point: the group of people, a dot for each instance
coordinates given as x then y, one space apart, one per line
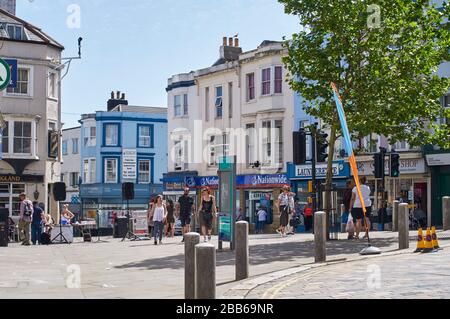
161 215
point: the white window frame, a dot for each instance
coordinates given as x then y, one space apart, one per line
111 138
218 104
89 176
89 140
115 180
272 80
182 107
75 141
247 87
149 180
34 141
263 82
269 141
66 143
23 34
30 92
144 137
74 182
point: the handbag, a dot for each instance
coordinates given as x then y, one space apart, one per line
350 228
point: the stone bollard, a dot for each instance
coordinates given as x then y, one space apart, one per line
446 212
242 251
320 236
190 241
395 215
403 226
205 271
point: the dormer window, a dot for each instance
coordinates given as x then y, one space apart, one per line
16 32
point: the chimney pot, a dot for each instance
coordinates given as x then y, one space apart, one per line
118 95
230 42
123 96
224 41
236 42
112 95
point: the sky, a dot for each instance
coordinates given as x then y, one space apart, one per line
134 46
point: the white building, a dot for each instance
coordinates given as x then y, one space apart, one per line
31 110
240 106
70 171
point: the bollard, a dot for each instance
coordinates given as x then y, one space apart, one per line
190 241
205 271
320 236
446 212
395 215
403 226
242 252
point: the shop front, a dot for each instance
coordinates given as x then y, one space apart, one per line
439 163
300 176
412 187
174 184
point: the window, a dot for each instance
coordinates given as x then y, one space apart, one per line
145 134
272 143
90 136
266 81
219 102
64 148
218 147
230 100
5 138
93 171
401 146
177 105
144 172
251 143
446 101
185 104
212 160
22 137
74 179
111 134
250 87
180 154
86 171
111 170
74 146
278 80
52 85
16 32
89 171
278 142
23 82
207 104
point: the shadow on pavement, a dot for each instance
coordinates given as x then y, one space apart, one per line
274 252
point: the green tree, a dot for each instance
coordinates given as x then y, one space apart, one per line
383 56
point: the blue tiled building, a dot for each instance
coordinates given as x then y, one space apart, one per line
124 144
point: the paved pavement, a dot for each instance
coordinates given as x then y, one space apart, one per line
113 269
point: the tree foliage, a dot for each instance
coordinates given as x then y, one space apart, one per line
384 66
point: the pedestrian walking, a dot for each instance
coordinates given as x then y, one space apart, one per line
170 220
184 211
159 215
356 206
207 212
36 224
283 203
150 221
347 199
261 220
25 219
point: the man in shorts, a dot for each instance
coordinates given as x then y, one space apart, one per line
184 211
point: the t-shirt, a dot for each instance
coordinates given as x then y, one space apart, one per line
37 219
365 190
159 214
186 203
262 215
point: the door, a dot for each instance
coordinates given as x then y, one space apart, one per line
443 190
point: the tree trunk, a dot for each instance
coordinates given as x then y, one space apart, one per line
329 179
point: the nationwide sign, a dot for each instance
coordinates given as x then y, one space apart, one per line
276 180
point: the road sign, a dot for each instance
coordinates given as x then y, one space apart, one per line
5 74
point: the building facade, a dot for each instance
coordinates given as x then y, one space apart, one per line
239 106
125 144
70 171
31 113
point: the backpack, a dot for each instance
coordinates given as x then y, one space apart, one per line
45 239
28 210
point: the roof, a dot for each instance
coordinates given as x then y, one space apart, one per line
33 33
140 109
71 128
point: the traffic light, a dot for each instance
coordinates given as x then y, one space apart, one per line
299 147
322 147
394 165
378 165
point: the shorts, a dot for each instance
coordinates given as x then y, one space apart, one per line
357 213
185 220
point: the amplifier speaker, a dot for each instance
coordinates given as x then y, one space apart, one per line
59 192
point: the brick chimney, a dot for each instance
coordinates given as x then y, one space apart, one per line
8 5
231 51
116 99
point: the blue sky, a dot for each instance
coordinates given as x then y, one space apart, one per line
134 45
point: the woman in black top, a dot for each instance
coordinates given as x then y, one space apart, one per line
208 211
170 222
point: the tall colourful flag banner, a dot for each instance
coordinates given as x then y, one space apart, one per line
348 143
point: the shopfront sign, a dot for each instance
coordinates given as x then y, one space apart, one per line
21 178
262 181
304 172
207 181
260 195
438 159
129 160
407 166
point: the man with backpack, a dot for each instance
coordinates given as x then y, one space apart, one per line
26 217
